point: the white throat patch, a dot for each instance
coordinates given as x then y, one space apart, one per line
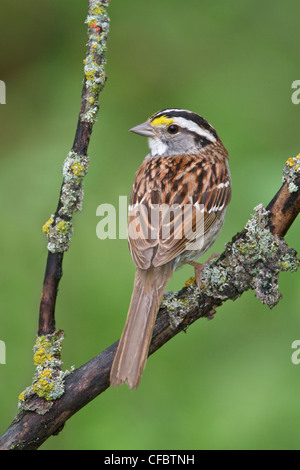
157 147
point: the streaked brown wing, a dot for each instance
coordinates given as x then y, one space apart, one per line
170 197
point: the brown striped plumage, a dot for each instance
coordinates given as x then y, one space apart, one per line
195 182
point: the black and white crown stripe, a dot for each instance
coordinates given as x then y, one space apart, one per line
190 121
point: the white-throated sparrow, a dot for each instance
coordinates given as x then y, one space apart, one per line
177 208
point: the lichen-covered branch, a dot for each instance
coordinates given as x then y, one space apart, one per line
285 206
252 260
49 377
59 227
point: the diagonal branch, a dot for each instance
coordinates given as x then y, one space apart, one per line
252 260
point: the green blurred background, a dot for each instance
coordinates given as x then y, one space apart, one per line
228 383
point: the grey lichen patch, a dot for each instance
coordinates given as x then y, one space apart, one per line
48 380
95 77
291 172
177 306
253 260
59 227
74 169
59 234
174 307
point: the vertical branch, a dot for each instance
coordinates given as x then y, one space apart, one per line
52 277
59 227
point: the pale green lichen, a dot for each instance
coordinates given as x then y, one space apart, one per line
75 167
59 235
177 306
59 228
95 77
293 187
291 172
48 380
254 261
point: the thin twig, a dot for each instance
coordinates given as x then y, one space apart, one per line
59 227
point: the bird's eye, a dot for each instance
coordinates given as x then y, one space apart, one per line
173 129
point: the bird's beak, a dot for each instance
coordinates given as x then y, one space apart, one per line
144 129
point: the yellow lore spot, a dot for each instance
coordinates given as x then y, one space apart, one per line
162 120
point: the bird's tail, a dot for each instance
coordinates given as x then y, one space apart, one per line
132 352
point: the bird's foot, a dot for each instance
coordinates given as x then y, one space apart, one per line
199 268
